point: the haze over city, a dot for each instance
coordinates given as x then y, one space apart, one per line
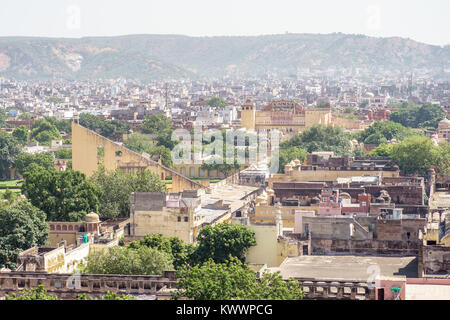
423 21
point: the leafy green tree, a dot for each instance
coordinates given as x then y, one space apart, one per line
216 102
32 294
63 154
182 254
9 196
415 155
110 129
382 131
27 163
116 187
124 260
141 143
44 132
427 115
109 296
60 124
234 280
157 124
21 134
63 195
222 241
289 154
383 150
9 151
321 138
22 226
3 118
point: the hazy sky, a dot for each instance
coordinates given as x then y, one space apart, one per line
422 20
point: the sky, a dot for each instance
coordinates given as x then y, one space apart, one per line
421 20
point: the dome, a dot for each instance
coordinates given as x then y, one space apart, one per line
92 217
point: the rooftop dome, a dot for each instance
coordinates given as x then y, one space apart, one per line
92 217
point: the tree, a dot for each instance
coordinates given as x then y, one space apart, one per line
62 125
108 296
182 254
116 187
233 280
27 163
141 143
222 241
63 154
427 115
63 195
415 154
9 151
44 132
216 102
32 294
157 124
383 150
382 131
289 154
321 138
22 226
110 129
124 260
21 134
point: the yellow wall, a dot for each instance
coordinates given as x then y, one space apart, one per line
85 158
265 251
267 214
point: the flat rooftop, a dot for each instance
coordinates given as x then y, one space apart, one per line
346 267
230 194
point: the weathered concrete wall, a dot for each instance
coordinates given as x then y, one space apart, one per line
435 260
364 247
398 230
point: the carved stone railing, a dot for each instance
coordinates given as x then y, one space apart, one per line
337 289
68 286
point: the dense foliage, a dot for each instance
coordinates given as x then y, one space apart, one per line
124 260
28 163
220 241
321 138
289 154
142 143
32 294
21 133
63 154
115 188
9 151
22 226
234 280
63 195
427 115
113 129
216 102
44 132
381 132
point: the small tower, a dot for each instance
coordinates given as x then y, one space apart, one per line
248 115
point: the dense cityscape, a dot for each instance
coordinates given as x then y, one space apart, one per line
289 183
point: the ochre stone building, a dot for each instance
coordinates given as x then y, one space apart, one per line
90 149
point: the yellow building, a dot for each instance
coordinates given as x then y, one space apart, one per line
443 130
287 116
265 211
90 149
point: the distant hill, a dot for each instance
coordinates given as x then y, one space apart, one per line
173 56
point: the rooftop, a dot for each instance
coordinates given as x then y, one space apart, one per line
347 267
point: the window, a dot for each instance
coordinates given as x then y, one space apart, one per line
118 153
179 219
186 219
408 235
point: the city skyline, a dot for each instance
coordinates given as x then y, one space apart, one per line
419 21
